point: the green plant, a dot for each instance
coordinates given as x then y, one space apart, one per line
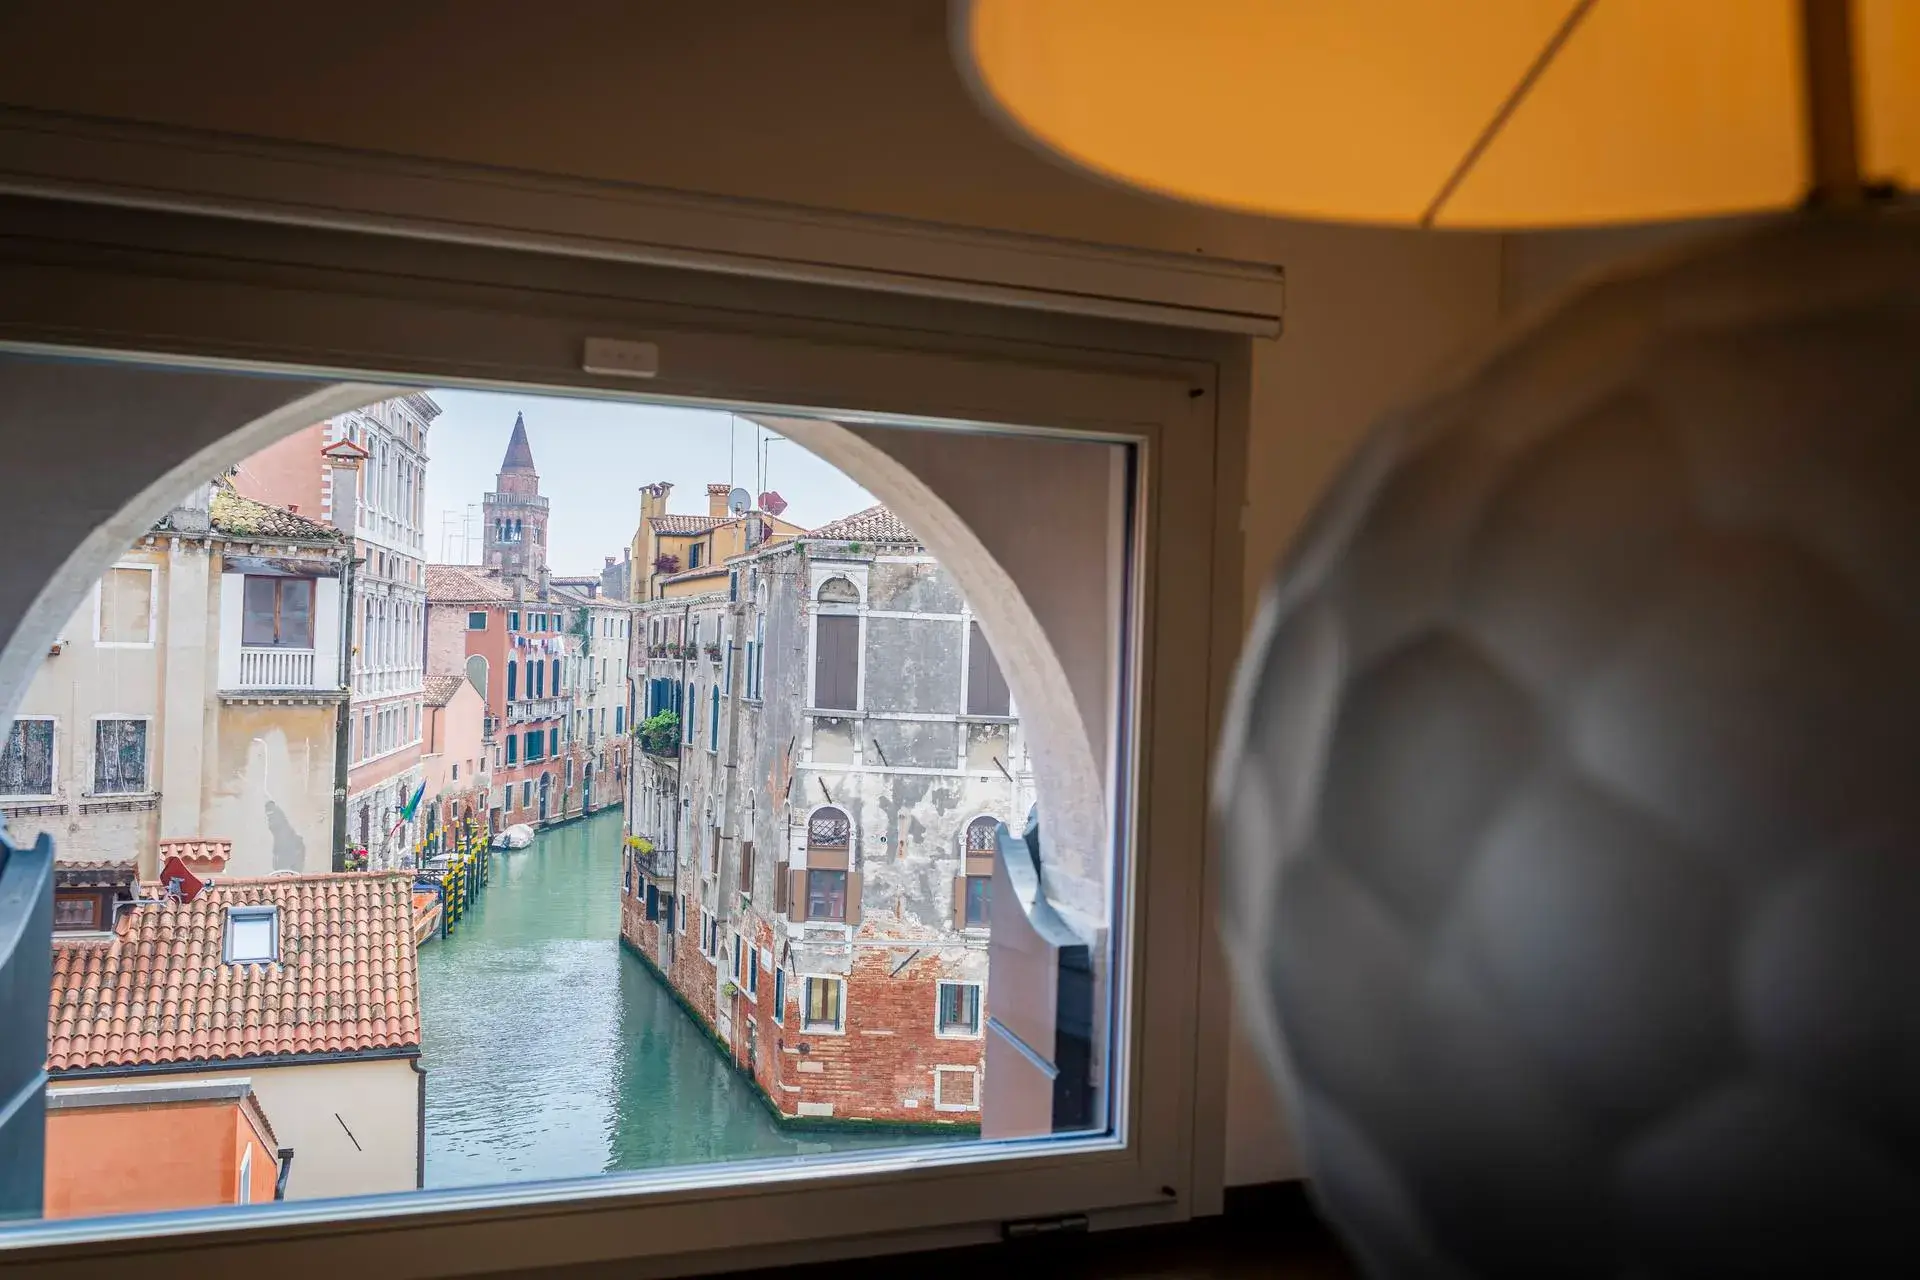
659 734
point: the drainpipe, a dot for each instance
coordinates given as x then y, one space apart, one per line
286 1170
343 722
420 1124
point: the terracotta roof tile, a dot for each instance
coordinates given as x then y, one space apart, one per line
241 517
685 524
202 856
158 990
464 584
875 524
95 875
440 689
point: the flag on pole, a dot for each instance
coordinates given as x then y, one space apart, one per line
413 803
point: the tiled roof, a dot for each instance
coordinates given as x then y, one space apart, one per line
200 855
158 991
95 875
685 524
440 689
875 524
240 517
463 584
688 575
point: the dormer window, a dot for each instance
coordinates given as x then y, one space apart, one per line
253 935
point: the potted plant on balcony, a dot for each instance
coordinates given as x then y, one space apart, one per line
659 734
666 565
713 653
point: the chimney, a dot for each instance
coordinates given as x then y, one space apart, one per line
653 499
193 513
717 499
609 562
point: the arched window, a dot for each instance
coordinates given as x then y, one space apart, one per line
536 679
829 888
973 887
556 677
836 646
513 681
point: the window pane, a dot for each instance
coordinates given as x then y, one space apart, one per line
826 895
829 825
979 901
296 613
26 766
260 599
119 756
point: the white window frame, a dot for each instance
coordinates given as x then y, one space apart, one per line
93 763
979 1031
819 573
1181 395
814 1029
153 608
53 763
779 996
243 1194
946 1069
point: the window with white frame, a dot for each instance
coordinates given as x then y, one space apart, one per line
824 1006
125 615
958 1009
253 935
26 763
780 996
836 646
277 613
119 756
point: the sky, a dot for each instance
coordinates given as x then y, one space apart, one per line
593 456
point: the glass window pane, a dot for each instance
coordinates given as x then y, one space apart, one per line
26 766
119 757
259 616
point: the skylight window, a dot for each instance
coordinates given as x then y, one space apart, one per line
253 935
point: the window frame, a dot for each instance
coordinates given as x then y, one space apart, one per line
941 1029
251 911
477 613
1009 369
153 607
807 1025
53 759
279 583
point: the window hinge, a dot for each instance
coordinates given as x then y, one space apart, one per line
1031 1228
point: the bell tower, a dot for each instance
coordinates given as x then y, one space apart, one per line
515 514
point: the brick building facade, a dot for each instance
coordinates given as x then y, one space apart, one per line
809 855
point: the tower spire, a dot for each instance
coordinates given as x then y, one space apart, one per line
519 452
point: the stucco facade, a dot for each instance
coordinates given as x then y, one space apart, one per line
354 1125
808 839
165 723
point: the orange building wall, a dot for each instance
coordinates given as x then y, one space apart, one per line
144 1159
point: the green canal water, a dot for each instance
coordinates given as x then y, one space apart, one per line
551 1052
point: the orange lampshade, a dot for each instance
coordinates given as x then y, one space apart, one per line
1463 113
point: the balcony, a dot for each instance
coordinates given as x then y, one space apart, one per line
265 668
529 710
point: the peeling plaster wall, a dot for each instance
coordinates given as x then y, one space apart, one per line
909 770
270 787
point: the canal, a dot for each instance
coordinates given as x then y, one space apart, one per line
551 1052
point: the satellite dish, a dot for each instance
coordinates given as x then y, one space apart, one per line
772 503
738 502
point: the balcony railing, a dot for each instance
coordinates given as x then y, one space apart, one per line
265 668
536 709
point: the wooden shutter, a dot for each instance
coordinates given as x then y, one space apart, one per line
836 661
780 896
853 897
959 902
797 896
986 686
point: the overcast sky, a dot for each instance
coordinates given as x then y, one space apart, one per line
593 457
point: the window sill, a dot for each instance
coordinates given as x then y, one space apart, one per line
959 1035
821 1029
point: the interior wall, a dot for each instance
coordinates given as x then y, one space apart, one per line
844 104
